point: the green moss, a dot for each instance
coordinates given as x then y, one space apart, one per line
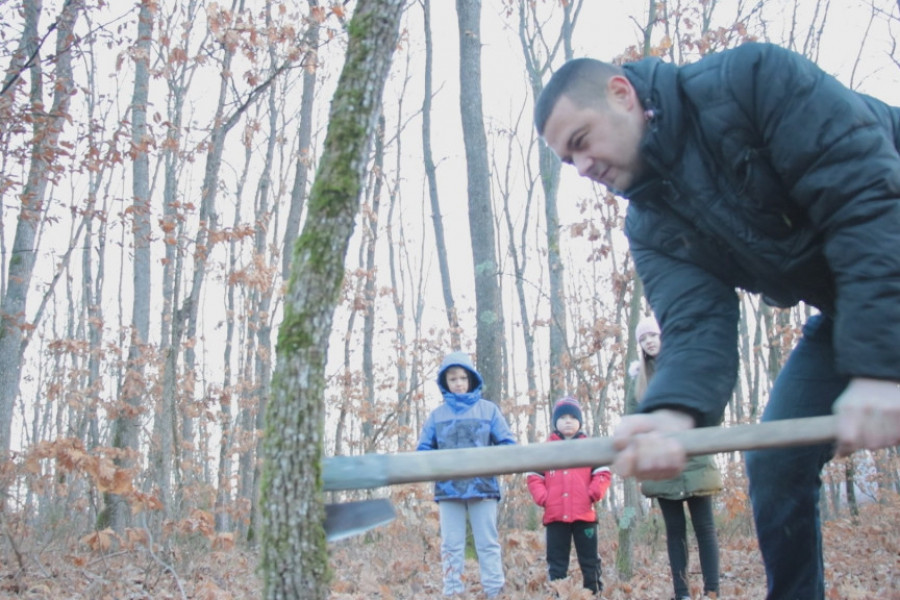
294 333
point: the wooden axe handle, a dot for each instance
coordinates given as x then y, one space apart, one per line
376 470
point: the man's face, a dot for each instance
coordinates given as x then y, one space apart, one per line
601 141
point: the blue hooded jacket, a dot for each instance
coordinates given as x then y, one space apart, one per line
464 421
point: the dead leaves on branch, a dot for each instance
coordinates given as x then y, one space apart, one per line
71 456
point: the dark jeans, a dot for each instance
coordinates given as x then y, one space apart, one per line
701 508
559 538
784 483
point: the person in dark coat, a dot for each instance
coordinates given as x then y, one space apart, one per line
567 497
466 420
754 169
693 488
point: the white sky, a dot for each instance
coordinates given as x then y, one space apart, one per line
605 28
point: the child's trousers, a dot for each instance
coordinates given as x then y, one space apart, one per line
701 508
482 515
559 542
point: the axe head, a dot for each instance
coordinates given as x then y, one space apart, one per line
347 519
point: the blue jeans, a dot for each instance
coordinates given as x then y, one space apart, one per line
785 483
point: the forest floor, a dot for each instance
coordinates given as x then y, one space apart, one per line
401 561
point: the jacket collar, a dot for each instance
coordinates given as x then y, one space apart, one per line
657 86
558 437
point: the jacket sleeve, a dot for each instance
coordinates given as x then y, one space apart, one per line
537 486
427 440
698 313
835 152
500 432
600 480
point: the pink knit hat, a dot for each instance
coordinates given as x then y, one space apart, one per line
646 325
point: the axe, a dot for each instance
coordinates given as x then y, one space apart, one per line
377 470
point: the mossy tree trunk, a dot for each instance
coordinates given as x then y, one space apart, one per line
294 554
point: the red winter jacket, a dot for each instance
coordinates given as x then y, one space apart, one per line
568 495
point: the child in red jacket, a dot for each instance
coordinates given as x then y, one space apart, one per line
568 496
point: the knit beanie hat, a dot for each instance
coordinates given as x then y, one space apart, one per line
567 406
646 325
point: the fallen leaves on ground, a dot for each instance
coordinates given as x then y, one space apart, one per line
401 561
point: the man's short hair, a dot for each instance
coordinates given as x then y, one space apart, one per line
581 80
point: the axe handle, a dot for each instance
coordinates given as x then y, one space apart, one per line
376 470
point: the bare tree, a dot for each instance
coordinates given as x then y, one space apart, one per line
488 311
431 175
178 75
304 150
541 52
127 422
46 128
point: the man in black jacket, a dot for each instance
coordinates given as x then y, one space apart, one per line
750 169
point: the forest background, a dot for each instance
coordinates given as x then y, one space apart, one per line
156 163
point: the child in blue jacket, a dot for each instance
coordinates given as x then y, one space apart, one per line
466 420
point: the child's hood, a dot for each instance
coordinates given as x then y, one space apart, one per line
461 401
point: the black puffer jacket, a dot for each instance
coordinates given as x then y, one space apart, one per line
766 174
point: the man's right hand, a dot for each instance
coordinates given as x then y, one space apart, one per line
868 415
645 451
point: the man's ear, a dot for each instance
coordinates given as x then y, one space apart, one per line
619 91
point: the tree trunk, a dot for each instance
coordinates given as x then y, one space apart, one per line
431 175
165 420
519 264
262 298
126 426
537 64
370 239
304 158
488 312
404 390
850 486
628 520
294 556
46 128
